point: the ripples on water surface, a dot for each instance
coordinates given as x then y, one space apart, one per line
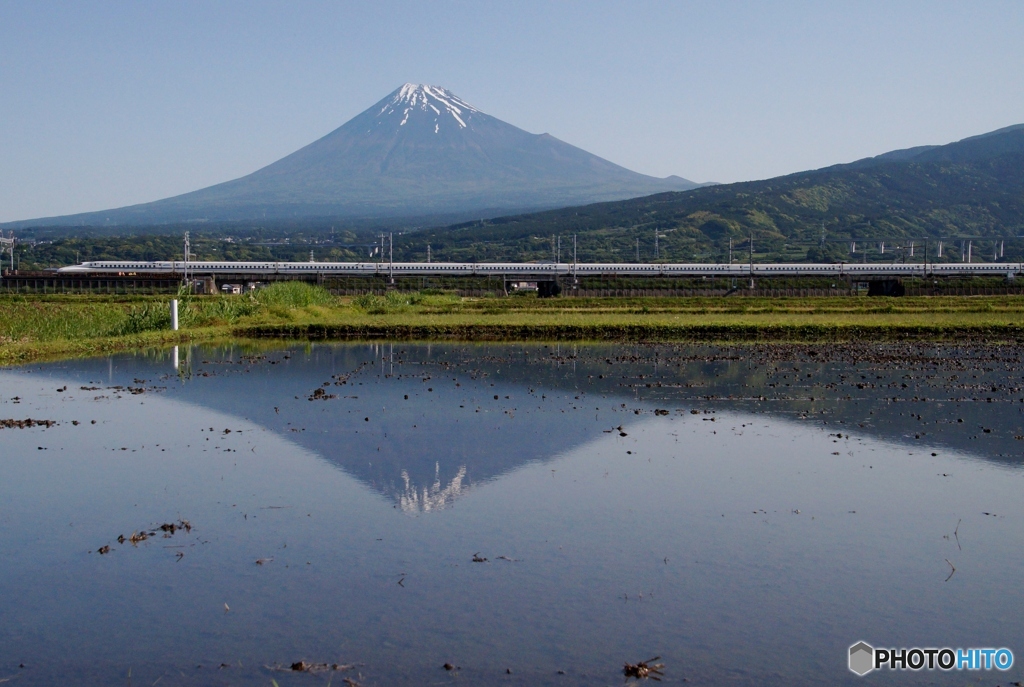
631 502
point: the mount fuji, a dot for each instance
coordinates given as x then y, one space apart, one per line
420 151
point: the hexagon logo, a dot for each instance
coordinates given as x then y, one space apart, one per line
862 658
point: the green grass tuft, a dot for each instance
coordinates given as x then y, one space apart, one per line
294 294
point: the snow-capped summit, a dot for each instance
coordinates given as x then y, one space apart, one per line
422 150
435 102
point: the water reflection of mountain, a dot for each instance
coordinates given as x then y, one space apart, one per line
422 451
422 424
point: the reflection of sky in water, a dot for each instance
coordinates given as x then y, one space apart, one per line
680 539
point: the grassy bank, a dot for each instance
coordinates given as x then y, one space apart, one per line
55 326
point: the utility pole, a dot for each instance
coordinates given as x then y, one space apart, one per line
969 250
428 252
940 249
638 249
751 266
575 281
730 251
391 257
184 267
558 250
10 246
657 251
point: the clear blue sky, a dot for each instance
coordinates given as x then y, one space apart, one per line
104 104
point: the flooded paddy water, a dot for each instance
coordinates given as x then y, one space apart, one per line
415 514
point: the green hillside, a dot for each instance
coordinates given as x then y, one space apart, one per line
972 189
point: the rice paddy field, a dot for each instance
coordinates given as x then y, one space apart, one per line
41 327
421 488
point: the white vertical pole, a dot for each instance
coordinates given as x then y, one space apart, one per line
174 358
174 315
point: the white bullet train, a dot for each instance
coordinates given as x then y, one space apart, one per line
255 270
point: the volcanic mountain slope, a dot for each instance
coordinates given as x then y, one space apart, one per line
422 150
